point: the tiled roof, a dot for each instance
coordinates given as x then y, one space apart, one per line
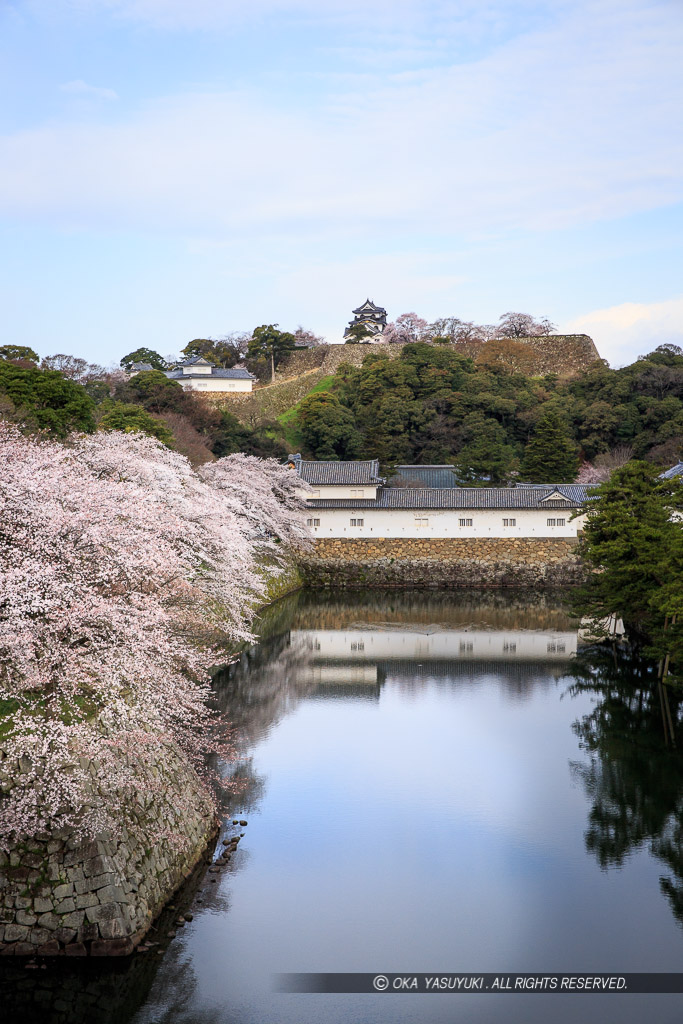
676 470
339 472
215 372
141 367
196 361
425 476
459 497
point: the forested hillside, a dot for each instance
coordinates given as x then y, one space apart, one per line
432 405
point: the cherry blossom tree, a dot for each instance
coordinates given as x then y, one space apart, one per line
406 328
123 576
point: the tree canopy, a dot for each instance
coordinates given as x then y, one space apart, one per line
144 355
46 400
269 342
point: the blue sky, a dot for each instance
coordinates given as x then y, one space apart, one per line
171 169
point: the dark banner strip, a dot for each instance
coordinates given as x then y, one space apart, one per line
480 983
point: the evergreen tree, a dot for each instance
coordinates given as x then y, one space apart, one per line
45 400
328 429
268 342
634 541
551 456
133 419
144 355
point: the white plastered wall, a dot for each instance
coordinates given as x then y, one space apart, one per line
444 523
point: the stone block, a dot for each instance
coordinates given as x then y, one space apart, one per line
16 932
88 899
50 948
103 912
96 866
112 929
61 891
76 949
41 905
112 894
65 935
37 936
65 906
88 932
49 921
25 917
111 947
74 919
23 902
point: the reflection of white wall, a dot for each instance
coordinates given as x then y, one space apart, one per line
350 675
440 645
379 522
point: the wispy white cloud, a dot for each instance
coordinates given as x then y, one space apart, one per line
81 88
569 123
631 329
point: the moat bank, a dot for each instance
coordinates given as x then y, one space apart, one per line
443 562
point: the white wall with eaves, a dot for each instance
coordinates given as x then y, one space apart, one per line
336 523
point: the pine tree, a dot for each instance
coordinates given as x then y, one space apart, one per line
551 456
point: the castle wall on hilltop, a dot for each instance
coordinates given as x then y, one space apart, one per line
567 355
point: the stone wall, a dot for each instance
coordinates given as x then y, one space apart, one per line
446 562
567 355
62 895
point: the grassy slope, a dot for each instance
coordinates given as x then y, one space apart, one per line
287 420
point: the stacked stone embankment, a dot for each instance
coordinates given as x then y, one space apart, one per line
567 355
443 562
63 895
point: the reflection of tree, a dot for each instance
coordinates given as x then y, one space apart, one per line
635 782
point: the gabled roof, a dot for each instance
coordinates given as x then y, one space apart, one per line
676 470
456 498
196 361
369 307
141 367
424 476
234 374
338 472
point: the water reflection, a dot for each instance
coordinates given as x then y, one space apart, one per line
634 781
404 767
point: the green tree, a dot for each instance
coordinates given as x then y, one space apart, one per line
231 436
356 333
486 457
268 342
634 538
155 391
144 355
551 456
224 352
134 419
45 400
328 429
18 352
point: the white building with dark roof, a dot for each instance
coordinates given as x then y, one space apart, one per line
198 374
352 480
349 500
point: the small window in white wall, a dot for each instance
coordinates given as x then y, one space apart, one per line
556 522
315 493
357 493
464 522
357 522
201 384
312 522
421 521
509 522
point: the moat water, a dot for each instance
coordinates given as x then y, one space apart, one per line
441 782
